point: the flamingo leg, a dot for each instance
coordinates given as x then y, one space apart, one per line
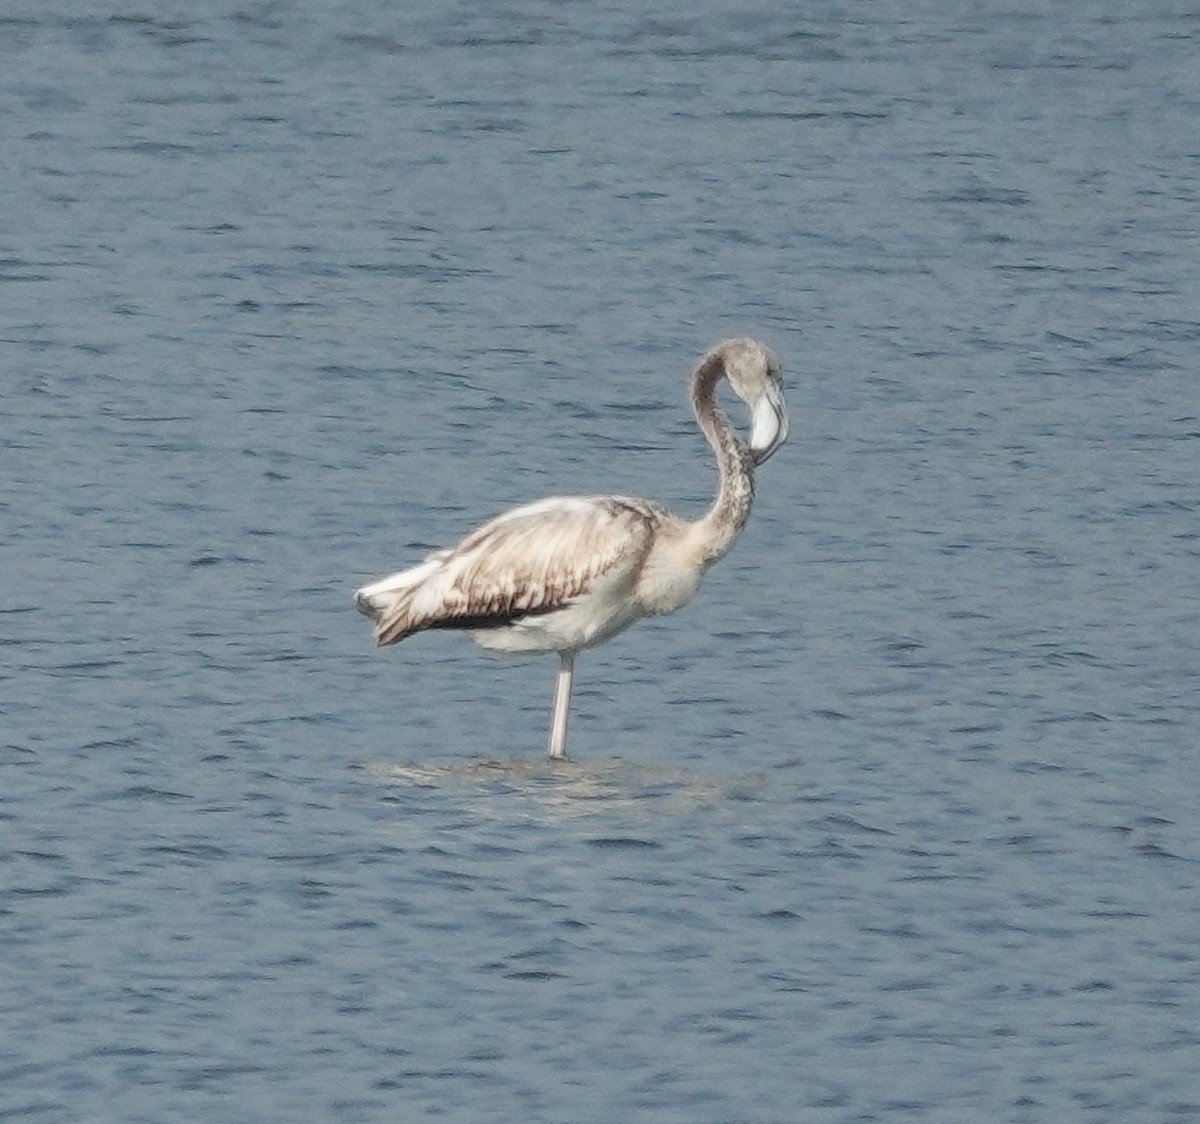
562 705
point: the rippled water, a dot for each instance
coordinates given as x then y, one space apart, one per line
897 821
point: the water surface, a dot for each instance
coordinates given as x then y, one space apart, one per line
897 821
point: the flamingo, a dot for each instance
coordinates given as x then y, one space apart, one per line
569 572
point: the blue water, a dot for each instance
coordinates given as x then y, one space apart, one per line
898 820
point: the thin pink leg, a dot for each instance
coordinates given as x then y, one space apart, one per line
562 705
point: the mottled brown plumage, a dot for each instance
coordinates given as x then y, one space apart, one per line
531 560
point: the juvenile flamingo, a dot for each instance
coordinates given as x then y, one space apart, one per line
569 572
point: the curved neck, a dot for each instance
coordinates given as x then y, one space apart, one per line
718 530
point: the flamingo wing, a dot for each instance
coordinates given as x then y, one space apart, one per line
533 559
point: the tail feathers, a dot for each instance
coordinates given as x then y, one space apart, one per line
390 612
389 602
